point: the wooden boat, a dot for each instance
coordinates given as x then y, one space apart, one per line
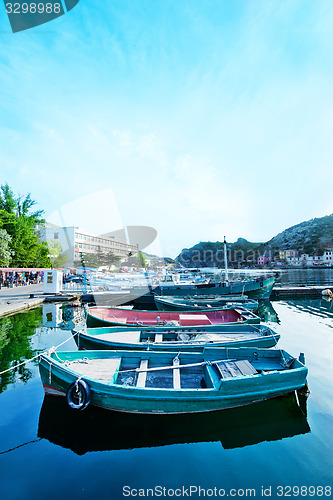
143 296
166 303
211 320
153 382
173 340
257 288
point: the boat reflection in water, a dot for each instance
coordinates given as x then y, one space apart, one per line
93 429
266 312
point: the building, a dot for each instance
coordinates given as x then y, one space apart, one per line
286 254
305 260
74 240
328 256
263 259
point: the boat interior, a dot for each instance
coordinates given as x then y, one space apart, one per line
160 318
183 371
148 337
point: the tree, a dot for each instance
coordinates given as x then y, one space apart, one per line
111 259
59 258
5 251
17 219
90 260
19 205
142 259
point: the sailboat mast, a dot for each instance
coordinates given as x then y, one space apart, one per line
226 261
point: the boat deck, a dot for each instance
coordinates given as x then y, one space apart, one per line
102 370
137 337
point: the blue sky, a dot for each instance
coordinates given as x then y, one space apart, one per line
200 118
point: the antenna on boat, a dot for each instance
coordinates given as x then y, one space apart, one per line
226 262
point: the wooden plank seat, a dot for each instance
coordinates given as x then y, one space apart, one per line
142 376
228 369
176 374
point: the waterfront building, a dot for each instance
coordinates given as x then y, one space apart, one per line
76 240
286 254
263 259
305 260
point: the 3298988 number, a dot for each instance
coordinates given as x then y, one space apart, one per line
33 8
304 491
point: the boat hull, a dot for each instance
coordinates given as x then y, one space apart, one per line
143 297
171 304
120 339
254 289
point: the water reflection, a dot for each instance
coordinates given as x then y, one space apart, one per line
97 430
266 311
15 336
309 277
322 308
66 317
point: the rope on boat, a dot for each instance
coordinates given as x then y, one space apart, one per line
52 349
176 367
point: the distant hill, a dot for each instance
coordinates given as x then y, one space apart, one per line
211 254
307 237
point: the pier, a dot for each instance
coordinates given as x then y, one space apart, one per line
19 298
284 292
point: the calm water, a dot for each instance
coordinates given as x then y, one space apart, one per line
48 451
284 277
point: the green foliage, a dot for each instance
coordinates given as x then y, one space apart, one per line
142 260
17 219
15 333
98 259
59 258
5 251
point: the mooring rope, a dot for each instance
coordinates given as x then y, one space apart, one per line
38 355
20 446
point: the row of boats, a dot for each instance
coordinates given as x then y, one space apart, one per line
196 352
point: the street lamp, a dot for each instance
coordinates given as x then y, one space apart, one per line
51 257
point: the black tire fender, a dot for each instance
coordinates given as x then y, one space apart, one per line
78 395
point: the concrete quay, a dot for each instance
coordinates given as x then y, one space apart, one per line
18 298
298 291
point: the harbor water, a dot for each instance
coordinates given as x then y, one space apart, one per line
278 448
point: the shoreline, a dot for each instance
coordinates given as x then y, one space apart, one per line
13 300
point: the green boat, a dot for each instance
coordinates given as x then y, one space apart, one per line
256 288
171 340
214 302
153 382
210 320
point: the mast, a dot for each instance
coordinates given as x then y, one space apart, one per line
226 262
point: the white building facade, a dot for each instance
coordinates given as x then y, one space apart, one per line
75 240
305 260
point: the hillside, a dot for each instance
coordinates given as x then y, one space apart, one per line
307 237
211 254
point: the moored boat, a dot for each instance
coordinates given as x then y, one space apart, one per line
167 339
167 303
211 320
152 382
